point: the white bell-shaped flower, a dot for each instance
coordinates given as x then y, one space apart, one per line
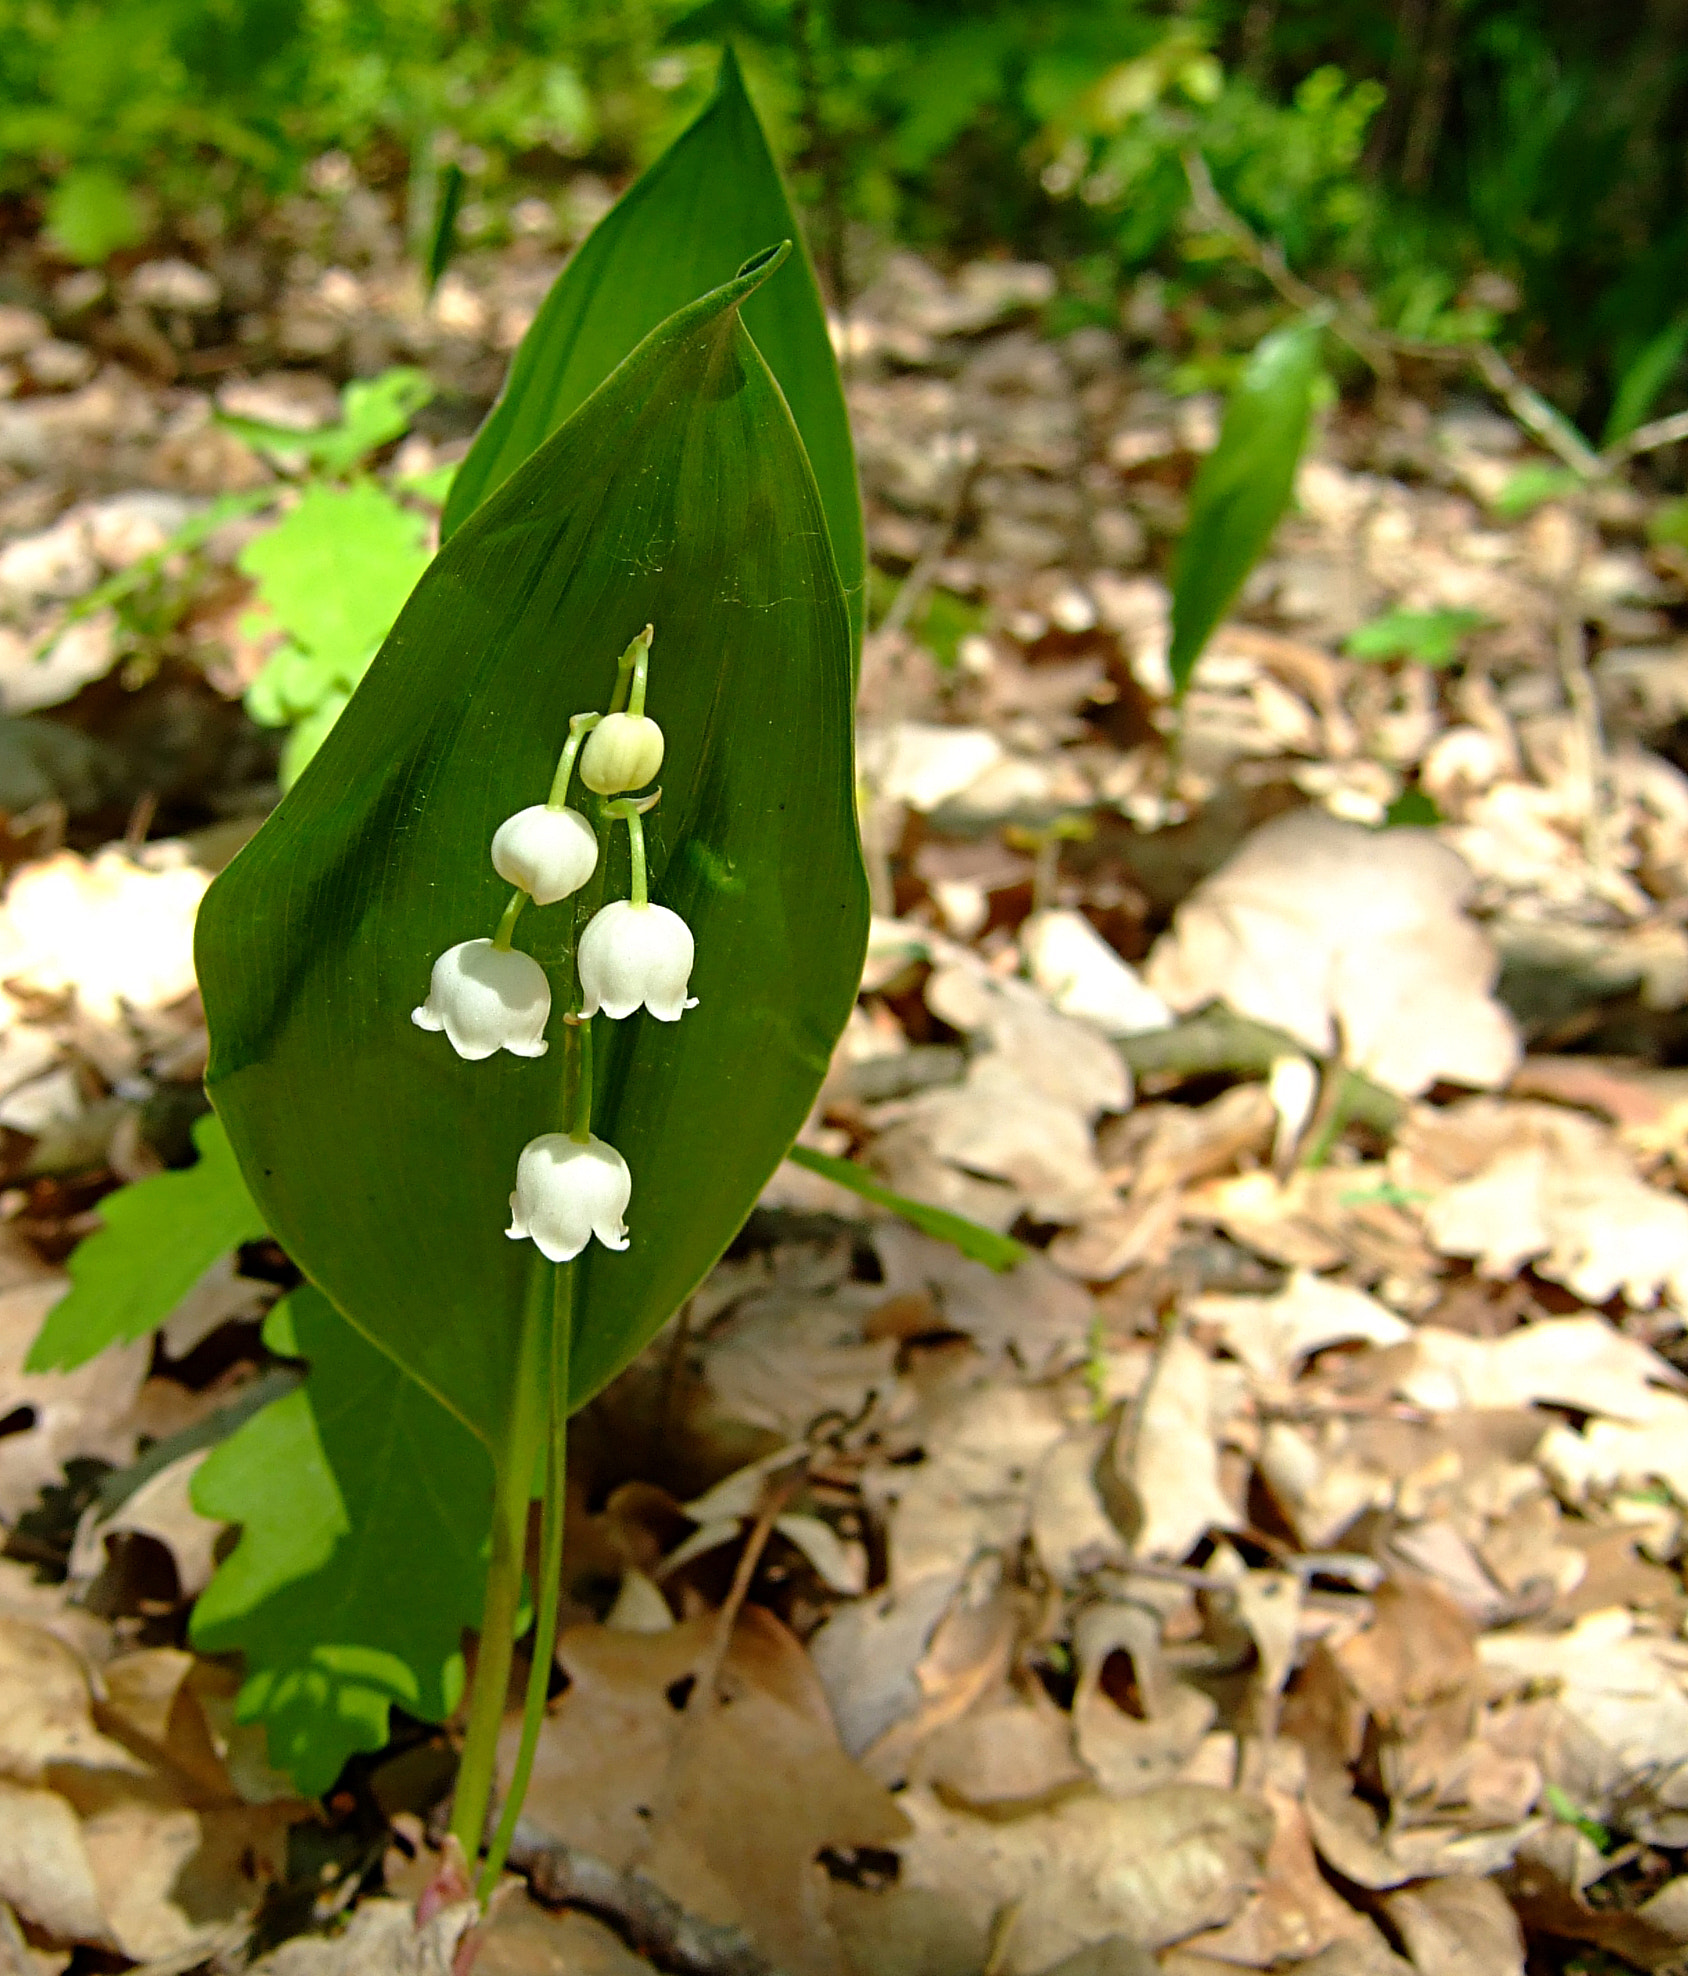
548 853
566 1193
632 954
487 998
624 751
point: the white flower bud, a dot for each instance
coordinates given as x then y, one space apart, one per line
566 1193
631 954
548 853
624 751
487 998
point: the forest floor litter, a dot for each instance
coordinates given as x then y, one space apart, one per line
1279 1569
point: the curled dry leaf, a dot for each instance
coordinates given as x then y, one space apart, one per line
1354 942
1136 1724
1166 1452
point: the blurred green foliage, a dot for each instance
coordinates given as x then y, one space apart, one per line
1474 166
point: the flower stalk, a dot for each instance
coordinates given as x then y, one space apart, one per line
512 1487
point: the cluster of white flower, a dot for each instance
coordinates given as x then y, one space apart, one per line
487 995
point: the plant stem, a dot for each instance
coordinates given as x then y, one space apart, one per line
550 1573
512 1490
579 727
507 925
636 848
581 1125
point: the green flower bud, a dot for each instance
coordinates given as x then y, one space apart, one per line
624 751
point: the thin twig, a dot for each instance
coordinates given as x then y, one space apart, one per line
652 1923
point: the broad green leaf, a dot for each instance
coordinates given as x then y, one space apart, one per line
1243 487
709 203
1430 638
336 571
977 1244
363 1508
160 1237
678 495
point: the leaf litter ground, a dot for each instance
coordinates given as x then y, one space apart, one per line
1282 1567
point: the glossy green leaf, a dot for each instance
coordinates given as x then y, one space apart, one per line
710 202
363 1509
678 495
978 1244
1243 487
159 1238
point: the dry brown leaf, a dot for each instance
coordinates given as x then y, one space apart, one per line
1030 1312
972 1492
1273 1335
1460 1926
85 1413
1606 1456
1625 1692
1157 1867
1070 1525
967 1658
44 1869
117 930
1166 1452
1295 1914
1354 943
1004 1759
47 1711
162 1509
380 1939
1135 1723
1550 1188
726 1803
1580 1362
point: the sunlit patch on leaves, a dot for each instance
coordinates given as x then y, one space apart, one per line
363 1510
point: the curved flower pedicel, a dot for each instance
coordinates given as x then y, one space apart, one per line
487 998
567 1191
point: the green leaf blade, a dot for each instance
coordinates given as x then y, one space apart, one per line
160 1237
363 1509
713 200
1243 488
678 495
998 1252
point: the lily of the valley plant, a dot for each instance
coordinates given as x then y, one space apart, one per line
488 995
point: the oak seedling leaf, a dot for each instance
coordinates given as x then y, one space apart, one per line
364 1508
160 1237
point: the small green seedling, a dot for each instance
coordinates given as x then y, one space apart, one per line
1426 638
